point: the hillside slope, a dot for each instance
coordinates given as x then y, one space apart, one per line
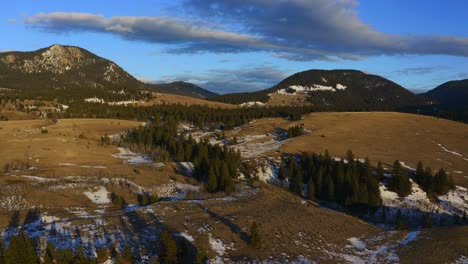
453 94
334 90
183 88
62 68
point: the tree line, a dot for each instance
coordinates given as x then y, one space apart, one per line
346 182
214 165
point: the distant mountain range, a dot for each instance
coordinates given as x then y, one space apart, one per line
183 88
70 73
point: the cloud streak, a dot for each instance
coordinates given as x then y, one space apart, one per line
297 30
247 79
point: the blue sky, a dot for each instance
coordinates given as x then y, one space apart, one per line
245 45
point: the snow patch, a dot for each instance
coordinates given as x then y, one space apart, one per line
449 151
131 157
99 195
217 245
253 103
81 166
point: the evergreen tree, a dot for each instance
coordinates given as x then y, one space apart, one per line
319 183
380 172
400 181
127 255
282 172
212 182
2 251
398 221
311 189
168 250
427 221
21 250
419 174
330 194
49 256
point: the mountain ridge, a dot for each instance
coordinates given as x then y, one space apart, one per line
452 94
70 68
342 89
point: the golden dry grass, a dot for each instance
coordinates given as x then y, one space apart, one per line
384 136
162 98
288 100
437 245
16 115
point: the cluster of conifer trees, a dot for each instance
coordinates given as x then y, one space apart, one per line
22 249
439 183
197 115
294 131
214 165
346 182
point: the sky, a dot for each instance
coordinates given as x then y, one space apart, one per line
247 45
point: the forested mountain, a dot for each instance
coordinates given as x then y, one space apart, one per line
60 68
453 94
74 73
183 88
337 90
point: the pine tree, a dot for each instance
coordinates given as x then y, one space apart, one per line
311 190
21 250
319 183
168 250
398 221
2 251
49 256
419 174
212 182
330 189
255 240
282 172
380 172
400 181
427 220
127 255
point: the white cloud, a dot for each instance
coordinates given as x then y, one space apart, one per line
300 30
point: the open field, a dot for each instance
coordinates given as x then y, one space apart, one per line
162 98
438 245
438 143
381 136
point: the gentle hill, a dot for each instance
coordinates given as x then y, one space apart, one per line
453 94
166 98
183 88
333 90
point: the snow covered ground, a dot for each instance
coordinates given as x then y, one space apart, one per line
131 157
250 104
312 88
413 206
373 250
99 195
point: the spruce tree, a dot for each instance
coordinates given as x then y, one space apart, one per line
212 182
311 190
282 172
398 221
127 255
168 249
2 251
21 250
419 174
427 220
380 172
